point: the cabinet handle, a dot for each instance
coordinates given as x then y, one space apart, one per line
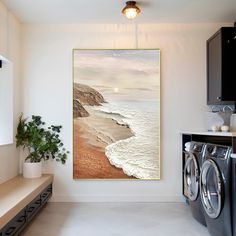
218 98
10 230
21 219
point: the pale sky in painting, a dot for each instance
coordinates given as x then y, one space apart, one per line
124 74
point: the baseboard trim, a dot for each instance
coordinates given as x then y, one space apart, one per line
115 198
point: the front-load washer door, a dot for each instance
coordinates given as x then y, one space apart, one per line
211 186
191 177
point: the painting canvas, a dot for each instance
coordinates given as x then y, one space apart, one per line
116 114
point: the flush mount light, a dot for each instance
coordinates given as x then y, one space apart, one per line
131 10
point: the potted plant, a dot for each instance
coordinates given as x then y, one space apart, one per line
41 143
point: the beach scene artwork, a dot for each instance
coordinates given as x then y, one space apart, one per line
116 114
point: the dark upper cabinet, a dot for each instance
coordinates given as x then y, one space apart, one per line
221 67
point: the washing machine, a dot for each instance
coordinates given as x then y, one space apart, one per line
192 169
215 189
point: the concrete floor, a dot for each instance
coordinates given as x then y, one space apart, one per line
118 219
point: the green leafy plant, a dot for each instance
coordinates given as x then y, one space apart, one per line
42 143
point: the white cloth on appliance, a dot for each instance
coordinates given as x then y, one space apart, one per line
187 146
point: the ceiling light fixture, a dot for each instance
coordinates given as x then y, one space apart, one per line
131 10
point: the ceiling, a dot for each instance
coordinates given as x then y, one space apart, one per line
109 11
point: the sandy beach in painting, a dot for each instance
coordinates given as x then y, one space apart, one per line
91 136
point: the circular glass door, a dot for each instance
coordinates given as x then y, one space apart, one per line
191 177
211 188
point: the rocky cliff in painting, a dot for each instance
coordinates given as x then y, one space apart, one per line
85 95
78 109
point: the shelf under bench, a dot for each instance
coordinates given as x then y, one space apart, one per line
20 200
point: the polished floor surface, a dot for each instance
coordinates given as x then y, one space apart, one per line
118 219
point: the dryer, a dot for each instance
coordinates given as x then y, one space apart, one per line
192 169
215 189
233 158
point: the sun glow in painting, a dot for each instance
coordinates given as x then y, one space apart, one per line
116 114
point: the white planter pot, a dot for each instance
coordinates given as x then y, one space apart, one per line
32 170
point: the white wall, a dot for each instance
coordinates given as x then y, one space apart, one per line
10 40
47 51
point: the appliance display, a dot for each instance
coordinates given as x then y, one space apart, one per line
215 189
221 67
192 170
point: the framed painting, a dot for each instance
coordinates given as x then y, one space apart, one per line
116 114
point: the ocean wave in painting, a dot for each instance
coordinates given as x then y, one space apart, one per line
138 155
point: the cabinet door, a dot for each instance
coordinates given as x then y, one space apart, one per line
214 87
46 194
15 225
33 208
229 64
